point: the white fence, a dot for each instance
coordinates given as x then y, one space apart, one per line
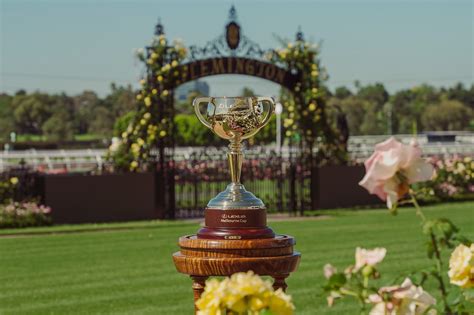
360 147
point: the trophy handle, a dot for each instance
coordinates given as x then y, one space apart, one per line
197 109
272 108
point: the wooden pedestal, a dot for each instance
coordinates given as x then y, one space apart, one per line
201 258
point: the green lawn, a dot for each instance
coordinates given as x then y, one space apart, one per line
127 268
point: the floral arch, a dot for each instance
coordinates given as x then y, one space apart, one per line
296 66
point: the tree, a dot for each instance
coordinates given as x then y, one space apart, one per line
6 117
461 94
186 107
447 115
342 92
30 111
375 93
59 126
190 132
409 106
354 108
246 91
120 101
84 105
103 122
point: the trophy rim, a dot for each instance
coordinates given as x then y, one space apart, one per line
241 97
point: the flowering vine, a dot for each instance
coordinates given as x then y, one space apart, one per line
306 116
153 123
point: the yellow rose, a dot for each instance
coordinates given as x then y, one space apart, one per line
139 97
14 180
135 148
210 301
243 293
312 107
147 115
133 165
154 55
162 133
124 134
154 91
147 101
142 82
461 266
314 73
159 78
165 93
280 303
174 63
142 122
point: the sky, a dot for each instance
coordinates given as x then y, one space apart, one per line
70 46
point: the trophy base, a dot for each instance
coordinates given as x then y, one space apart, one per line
235 224
235 233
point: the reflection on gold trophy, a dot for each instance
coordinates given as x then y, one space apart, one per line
235 213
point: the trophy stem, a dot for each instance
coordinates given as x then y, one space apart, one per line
235 158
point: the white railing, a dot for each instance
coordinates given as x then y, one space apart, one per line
72 160
360 147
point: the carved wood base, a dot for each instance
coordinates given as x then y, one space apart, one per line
201 258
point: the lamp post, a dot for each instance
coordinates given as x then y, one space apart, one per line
278 111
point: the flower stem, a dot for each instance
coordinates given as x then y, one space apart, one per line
438 276
417 207
437 253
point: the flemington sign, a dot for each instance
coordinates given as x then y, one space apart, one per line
238 65
234 53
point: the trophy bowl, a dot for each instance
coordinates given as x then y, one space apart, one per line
235 213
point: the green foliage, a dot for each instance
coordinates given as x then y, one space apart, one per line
102 122
447 115
342 92
31 111
6 117
246 91
58 127
376 94
122 123
7 189
424 107
191 132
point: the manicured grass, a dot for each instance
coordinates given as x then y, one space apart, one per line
130 271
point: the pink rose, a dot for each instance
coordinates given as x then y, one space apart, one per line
392 168
368 257
404 299
329 270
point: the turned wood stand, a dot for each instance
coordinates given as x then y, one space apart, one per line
201 258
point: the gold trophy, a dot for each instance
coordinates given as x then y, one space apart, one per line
235 213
